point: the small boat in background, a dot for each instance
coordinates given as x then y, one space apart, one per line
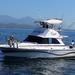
44 42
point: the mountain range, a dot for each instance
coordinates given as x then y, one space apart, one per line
11 22
24 22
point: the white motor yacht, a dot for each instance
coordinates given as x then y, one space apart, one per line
43 42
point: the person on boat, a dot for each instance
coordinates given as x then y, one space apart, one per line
72 44
11 41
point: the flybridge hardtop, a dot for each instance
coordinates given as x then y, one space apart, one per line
53 21
43 42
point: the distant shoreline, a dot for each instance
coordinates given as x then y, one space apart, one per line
17 28
32 28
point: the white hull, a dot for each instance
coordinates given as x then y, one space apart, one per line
15 52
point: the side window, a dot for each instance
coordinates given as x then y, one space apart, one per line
55 41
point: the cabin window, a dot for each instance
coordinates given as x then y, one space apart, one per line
37 39
55 41
40 40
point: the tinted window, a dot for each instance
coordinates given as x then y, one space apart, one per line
55 41
41 40
36 39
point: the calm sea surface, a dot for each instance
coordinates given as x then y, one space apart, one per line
15 66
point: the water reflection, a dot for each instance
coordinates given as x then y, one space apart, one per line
13 66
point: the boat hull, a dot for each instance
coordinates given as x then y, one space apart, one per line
32 53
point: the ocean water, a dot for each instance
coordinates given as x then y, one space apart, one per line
17 66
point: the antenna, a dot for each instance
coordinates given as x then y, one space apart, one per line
61 26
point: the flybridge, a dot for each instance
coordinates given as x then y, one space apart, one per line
50 23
